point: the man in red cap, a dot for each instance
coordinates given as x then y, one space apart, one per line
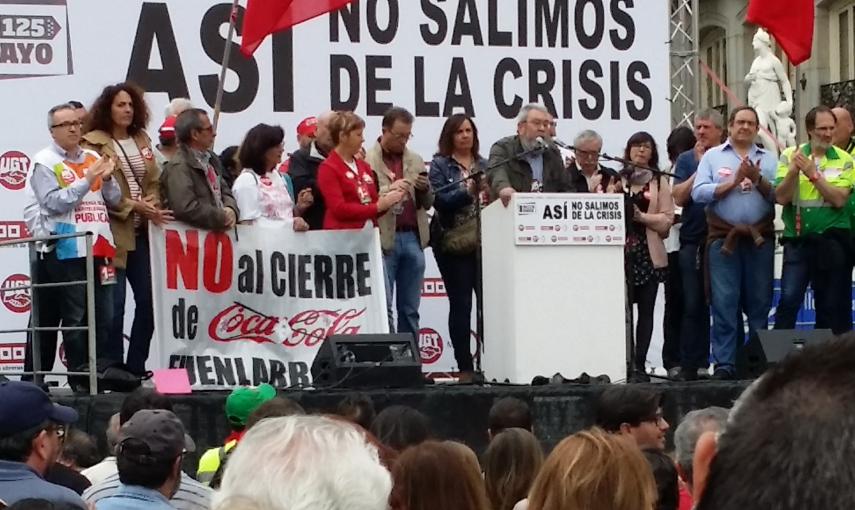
306 130
168 142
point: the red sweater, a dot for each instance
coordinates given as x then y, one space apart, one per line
346 192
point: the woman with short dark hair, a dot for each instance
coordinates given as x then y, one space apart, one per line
262 193
454 228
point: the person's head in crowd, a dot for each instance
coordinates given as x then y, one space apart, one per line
436 475
306 130
168 142
358 408
506 413
194 130
397 129
64 126
120 110
553 126
177 106
512 461
467 454
790 438
532 123
679 141
39 504
820 123
635 411
641 150
80 109
112 433
262 148
709 128
459 135
710 419
665 475
594 470
323 139
743 125
31 426
151 448
277 407
229 160
142 398
589 145
79 450
243 400
400 427
844 129
305 463
346 131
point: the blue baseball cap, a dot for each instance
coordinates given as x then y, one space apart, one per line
24 405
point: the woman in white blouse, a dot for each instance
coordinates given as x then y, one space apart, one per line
262 193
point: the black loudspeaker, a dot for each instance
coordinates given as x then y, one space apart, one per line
368 361
778 343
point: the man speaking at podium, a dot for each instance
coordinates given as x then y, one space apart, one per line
527 162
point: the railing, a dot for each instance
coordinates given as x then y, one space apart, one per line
837 94
34 327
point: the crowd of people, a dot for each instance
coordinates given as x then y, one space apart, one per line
785 444
103 174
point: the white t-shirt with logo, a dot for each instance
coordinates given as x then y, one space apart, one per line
263 197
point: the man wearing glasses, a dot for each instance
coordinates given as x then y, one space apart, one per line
404 230
526 162
586 173
633 411
31 433
68 191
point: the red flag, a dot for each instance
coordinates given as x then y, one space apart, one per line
790 23
265 17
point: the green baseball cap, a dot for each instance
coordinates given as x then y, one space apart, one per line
244 400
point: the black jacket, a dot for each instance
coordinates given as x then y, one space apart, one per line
580 184
303 169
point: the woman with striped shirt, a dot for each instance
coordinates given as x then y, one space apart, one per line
115 127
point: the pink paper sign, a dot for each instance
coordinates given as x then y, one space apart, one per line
172 381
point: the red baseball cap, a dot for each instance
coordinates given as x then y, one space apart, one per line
167 129
307 127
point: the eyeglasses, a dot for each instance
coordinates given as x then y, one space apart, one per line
209 129
642 145
658 419
402 136
68 124
540 123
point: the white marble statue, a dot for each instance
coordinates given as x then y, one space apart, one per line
770 93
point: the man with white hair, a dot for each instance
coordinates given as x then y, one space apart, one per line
526 162
177 106
304 463
694 424
303 169
586 173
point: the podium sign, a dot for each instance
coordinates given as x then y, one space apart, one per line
560 219
554 306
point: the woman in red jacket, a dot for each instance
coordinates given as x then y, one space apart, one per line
348 184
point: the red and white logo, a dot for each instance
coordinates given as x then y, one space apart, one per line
13 169
146 153
12 354
430 345
15 298
12 230
433 287
68 176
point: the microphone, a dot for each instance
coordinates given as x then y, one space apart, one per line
563 145
540 143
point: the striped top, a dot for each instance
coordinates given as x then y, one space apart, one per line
129 154
191 494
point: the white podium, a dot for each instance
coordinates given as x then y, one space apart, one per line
553 268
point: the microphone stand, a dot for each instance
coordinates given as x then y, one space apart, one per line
479 287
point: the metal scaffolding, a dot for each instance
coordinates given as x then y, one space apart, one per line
685 84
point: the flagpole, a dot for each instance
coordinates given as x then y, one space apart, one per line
226 54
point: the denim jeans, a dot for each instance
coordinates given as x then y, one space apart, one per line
745 276
460 276
405 272
794 282
138 273
68 305
695 326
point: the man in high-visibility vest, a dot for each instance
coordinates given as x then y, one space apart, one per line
69 190
814 183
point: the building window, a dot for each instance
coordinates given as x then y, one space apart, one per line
841 44
714 53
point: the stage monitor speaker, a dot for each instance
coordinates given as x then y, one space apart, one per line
778 343
368 361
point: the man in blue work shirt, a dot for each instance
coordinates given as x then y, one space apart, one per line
735 179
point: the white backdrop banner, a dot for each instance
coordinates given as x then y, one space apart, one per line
595 63
254 306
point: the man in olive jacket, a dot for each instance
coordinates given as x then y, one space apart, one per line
539 170
191 183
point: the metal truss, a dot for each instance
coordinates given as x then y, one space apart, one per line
683 42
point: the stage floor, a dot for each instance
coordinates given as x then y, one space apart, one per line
456 411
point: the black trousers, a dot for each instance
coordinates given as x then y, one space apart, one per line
645 298
673 319
460 276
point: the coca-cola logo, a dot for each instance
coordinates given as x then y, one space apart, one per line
430 345
13 169
308 328
15 298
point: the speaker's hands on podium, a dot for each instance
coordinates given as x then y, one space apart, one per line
505 195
